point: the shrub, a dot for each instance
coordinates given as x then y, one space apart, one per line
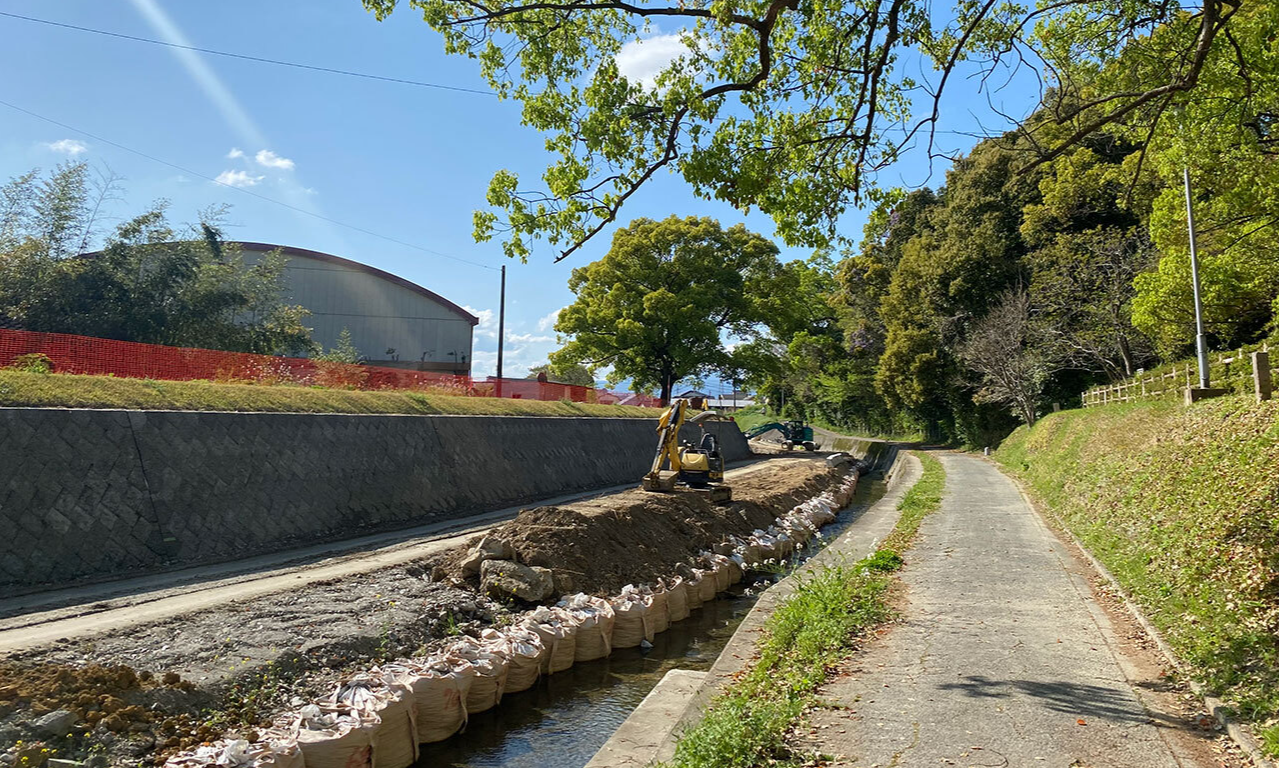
34 362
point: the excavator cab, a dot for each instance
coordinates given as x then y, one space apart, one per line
699 466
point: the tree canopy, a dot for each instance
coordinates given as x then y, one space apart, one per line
795 107
656 307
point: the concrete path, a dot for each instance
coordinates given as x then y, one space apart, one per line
1003 657
84 611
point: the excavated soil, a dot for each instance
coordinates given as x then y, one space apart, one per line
141 694
600 545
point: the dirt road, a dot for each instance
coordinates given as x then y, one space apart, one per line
1004 657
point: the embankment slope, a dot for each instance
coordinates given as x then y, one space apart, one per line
1180 504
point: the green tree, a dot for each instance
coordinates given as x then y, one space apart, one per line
786 106
656 306
344 352
576 375
149 283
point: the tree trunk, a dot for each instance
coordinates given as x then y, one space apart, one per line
668 383
1126 354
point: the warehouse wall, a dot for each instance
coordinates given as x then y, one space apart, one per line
92 494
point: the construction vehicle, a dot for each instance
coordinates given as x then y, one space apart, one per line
698 467
793 433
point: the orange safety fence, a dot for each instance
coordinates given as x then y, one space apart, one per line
134 360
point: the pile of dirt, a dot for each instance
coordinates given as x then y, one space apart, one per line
600 545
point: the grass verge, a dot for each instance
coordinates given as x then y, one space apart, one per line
1180 504
812 630
57 390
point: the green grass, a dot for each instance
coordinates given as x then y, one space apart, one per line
1180 504
923 499
807 635
754 416
35 390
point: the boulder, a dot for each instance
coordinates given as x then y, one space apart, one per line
505 578
471 563
495 548
57 723
840 460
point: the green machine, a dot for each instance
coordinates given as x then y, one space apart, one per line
793 433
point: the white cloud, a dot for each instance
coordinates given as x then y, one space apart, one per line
528 338
641 60
548 322
238 179
268 159
67 147
488 326
235 154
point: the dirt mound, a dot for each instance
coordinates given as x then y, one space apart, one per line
600 545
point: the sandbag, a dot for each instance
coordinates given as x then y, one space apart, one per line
274 748
693 589
719 571
659 616
631 622
391 701
439 686
677 600
526 660
490 664
707 586
558 630
337 737
595 626
732 573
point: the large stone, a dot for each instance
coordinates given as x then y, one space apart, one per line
471 563
505 578
495 548
57 723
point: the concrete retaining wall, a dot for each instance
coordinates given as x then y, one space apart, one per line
93 494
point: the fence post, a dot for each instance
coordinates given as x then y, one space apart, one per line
1261 376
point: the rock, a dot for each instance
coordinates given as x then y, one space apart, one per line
565 583
839 460
504 578
95 761
471 563
496 548
55 724
57 762
9 735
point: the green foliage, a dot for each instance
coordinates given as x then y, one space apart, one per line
576 375
1180 504
149 283
655 306
884 560
923 499
345 352
35 362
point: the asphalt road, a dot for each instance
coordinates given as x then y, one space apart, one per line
1003 658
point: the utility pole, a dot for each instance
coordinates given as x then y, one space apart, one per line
502 321
1202 348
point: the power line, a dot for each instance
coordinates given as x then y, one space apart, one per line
246 57
281 203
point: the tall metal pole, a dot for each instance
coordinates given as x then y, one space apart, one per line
502 322
1202 347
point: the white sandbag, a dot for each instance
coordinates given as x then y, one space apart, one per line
659 616
719 571
677 600
490 665
336 737
707 586
391 701
558 630
274 748
595 626
631 622
439 686
526 660
733 574
693 587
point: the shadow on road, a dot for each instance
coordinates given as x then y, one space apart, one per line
1076 699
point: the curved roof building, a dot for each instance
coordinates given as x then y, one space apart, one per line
393 322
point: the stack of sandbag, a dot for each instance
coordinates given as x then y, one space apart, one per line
677 599
387 696
631 623
718 571
595 620
439 686
273 749
693 586
334 736
659 616
488 657
730 567
558 630
526 657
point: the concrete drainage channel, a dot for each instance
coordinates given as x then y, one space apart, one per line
573 714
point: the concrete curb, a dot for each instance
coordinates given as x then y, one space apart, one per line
1216 707
621 752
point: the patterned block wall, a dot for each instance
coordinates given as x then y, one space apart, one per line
93 494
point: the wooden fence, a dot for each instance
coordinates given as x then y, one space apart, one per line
1227 370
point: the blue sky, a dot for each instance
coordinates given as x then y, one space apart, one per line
406 162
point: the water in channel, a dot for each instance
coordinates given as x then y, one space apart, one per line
564 719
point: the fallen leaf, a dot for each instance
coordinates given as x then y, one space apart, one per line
1081 722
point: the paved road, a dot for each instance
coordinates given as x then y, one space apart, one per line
1003 659
78 612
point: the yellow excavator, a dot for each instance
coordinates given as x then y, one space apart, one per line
698 467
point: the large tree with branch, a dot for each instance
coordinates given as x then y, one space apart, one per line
794 106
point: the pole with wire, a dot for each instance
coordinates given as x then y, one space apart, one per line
1202 347
502 320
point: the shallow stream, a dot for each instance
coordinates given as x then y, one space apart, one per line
563 720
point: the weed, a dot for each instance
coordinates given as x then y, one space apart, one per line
35 362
